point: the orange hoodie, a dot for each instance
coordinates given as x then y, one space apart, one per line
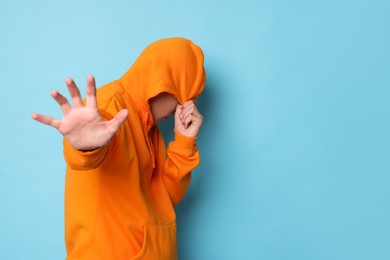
120 198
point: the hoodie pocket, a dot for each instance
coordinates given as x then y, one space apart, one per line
159 243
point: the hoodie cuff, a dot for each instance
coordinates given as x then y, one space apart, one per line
83 160
184 142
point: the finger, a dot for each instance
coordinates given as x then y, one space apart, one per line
74 92
91 92
186 114
189 111
188 103
187 121
62 101
195 120
47 120
178 112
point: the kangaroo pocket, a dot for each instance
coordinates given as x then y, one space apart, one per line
159 243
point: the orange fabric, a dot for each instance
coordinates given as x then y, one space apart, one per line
120 198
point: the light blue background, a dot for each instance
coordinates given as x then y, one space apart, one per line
295 146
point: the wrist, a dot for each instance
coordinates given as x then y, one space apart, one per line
184 140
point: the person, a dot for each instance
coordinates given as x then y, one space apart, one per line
122 184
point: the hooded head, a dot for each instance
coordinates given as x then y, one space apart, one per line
173 66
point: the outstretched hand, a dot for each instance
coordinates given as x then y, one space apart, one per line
188 119
82 125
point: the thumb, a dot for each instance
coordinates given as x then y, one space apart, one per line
178 111
118 120
121 116
178 124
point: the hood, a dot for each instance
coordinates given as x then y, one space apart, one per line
173 65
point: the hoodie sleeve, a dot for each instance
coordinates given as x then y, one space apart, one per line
87 160
183 157
84 160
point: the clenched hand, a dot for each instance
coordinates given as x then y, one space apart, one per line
188 119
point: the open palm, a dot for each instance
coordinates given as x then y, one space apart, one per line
82 125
